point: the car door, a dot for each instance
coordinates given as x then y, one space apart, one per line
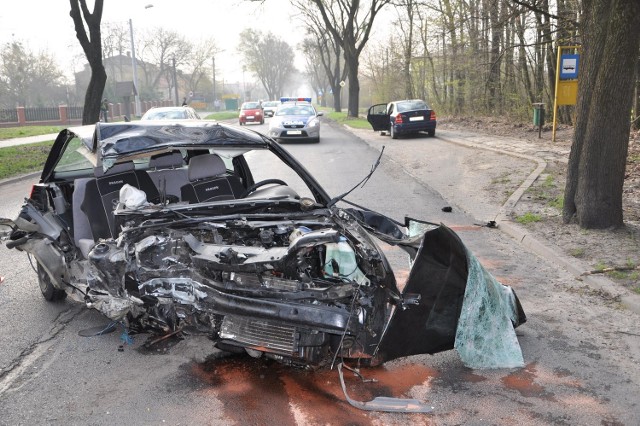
378 117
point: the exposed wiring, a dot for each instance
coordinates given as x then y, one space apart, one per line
346 327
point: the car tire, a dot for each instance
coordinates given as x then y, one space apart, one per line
316 140
383 133
262 122
431 133
392 133
49 292
240 123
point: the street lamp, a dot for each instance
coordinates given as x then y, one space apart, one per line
134 66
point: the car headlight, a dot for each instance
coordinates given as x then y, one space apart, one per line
313 123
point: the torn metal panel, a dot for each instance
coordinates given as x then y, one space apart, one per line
385 404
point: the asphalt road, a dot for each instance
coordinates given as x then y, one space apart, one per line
581 354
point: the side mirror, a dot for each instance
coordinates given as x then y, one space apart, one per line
320 113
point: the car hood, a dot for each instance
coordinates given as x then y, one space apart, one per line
291 119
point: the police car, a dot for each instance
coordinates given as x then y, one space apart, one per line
295 119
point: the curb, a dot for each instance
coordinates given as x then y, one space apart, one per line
542 249
20 178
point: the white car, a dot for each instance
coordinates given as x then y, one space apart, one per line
270 108
171 113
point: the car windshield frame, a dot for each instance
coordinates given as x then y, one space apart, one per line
250 105
306 110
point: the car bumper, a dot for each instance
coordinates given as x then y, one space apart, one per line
305 133
255 119
405 128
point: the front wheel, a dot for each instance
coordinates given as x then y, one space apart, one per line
431 133
49 292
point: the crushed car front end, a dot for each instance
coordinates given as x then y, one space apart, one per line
272 271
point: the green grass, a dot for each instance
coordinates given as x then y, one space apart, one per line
224 115
637 290
600 266
557 202
548 182
24 131
22 159
341 117
578 252
528 218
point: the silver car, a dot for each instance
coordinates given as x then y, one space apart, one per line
295 119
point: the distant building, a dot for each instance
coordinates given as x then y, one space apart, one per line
119 69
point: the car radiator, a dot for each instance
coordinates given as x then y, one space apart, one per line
260 334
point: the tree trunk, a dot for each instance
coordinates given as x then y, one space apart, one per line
354 86
595 174
92 47
91 111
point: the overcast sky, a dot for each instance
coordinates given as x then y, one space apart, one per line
45 25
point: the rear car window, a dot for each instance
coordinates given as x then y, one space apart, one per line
411 106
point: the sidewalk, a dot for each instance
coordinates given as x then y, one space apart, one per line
479 159
4 143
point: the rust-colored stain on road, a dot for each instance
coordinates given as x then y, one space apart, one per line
260 391
523 381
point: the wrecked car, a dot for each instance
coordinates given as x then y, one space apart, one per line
166 226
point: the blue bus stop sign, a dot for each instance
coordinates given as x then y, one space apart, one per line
569 66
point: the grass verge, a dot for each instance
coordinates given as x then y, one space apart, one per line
341 117
22 159
25 131
224 115
528 218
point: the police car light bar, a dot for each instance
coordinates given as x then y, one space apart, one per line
295 100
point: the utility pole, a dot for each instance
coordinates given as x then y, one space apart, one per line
134 65
175 80
214 80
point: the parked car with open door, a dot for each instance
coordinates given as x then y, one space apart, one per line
399 118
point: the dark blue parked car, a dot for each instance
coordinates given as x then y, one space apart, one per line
402 118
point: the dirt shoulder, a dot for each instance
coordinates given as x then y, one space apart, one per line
613 253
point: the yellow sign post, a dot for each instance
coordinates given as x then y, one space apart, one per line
566 81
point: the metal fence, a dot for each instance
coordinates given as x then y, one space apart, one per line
74 112
42 114
8 115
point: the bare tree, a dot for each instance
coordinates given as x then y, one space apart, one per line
262 54
92 47
198 62
160 50
595 175
350 23
28 79
115 43
324 49
313 55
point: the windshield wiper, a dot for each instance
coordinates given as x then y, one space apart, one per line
360 184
